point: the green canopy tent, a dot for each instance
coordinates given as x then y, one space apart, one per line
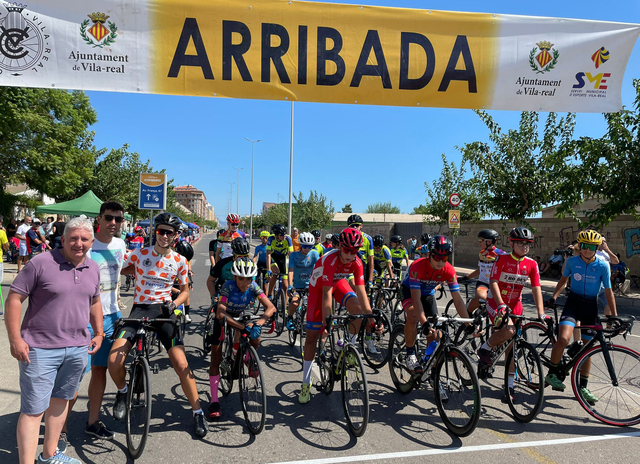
88 204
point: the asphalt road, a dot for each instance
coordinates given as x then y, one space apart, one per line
402 428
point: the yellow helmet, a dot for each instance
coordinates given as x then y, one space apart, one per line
264 233
590 237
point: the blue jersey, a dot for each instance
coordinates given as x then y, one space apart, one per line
586 279
237 301
302 267
261 252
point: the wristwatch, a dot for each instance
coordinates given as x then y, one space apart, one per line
100 334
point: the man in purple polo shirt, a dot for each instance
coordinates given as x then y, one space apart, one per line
51 346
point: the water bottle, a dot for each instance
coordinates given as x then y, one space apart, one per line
339 345
574 348
430 349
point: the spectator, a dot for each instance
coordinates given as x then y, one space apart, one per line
295 239
12 227
21 234
51 346
34 241
619 271
411 244
57 231
48 228
556 260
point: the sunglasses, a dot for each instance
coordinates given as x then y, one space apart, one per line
444 258
165 232
306 247
523 244
109 218
349 250
587 246
355 224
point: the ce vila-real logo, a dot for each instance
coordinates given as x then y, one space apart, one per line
98 35
23 43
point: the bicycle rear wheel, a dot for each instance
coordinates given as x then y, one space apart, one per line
207 332
226 366
380 336
617 403
400 373
127 284
457 392
138 412
355 391
535 333
528 382
252 391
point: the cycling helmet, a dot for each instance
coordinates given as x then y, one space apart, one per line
335 240
440 245
354 219
264 233
137 229
378 240
396 238
278 229
240 246
488 234
424 249
316 233
306 239
328 237
521 234
130 235
424 238
351 238
185 249
167 219
233 219
590 237
244 267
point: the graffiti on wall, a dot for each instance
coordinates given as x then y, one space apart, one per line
569 234
632 241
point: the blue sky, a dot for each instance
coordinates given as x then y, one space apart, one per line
351 154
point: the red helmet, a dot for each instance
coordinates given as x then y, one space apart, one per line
350 238
233 219
521 234
137 229
440 245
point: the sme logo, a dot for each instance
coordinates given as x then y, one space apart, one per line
599 80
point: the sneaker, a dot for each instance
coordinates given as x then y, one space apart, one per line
443 394
290 325
305 393
486 357
63 442
119 406
99 430
273 327
187 319
122 306
555 382
588 396
214 411
509 391
58 458
413 365
200 425
371 348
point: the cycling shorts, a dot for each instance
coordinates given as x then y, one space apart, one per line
281 262
581 309
428 302
167 333
217 333
481 284
342 292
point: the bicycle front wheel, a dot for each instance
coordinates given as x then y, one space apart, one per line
380 337
400 374
226 366
301 327
138 412
614 403
355 391
528 382
293 334
281 312
457 392
252 391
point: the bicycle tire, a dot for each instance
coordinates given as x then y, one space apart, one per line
535 333
400 375
253 394
441 292
380 341
138 407
281 312
127 284
325 367
458 401
528 382
207 332
612 399
226 365
355 391
302 330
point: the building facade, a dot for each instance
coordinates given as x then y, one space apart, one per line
192 199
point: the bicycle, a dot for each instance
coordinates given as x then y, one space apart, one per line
138 402
280 302
449 371
344 364
129 281
299 331
246 367
614 371
208 326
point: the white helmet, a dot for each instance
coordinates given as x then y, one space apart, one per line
306 239
244 267
327 237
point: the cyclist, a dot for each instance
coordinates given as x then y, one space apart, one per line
279 246
301 265
221 273
260 257
227 236
381 257
423 251
236 296
398 253
335 241
137 241
508 277
487 256
213 246
424 239
317 246
328 282
327 245
185 249
417 294
587 274
366 250
156 269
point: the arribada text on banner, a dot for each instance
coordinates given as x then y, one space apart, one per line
319 52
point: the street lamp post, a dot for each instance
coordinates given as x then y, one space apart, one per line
253 142
231 197
238 191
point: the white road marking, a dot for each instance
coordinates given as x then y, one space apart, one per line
462 449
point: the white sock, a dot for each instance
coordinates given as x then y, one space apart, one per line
486 346
199 411
124 390
306 371
354 337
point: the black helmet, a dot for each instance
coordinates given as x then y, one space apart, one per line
378 240
521 234
240 246
316 233
354 219
278 229
424 238
396 238
488 234
185 249
167 219
335 239
440 245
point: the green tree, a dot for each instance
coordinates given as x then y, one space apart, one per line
277 214
347 208
420 209
382 208
312 213
514 173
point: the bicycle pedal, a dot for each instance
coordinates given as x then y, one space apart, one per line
155 369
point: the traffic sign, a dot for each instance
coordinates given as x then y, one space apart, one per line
244 223
454 200
454 219
152 193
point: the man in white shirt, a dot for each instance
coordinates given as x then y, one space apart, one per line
21 234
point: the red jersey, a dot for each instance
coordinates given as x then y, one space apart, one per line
424 277
512 274
329 269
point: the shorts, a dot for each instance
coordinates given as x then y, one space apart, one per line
481 284
342 292
577 308
22 249
379 269
53 373
101 358
429 304
167 333
492 308
281 262
218 332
